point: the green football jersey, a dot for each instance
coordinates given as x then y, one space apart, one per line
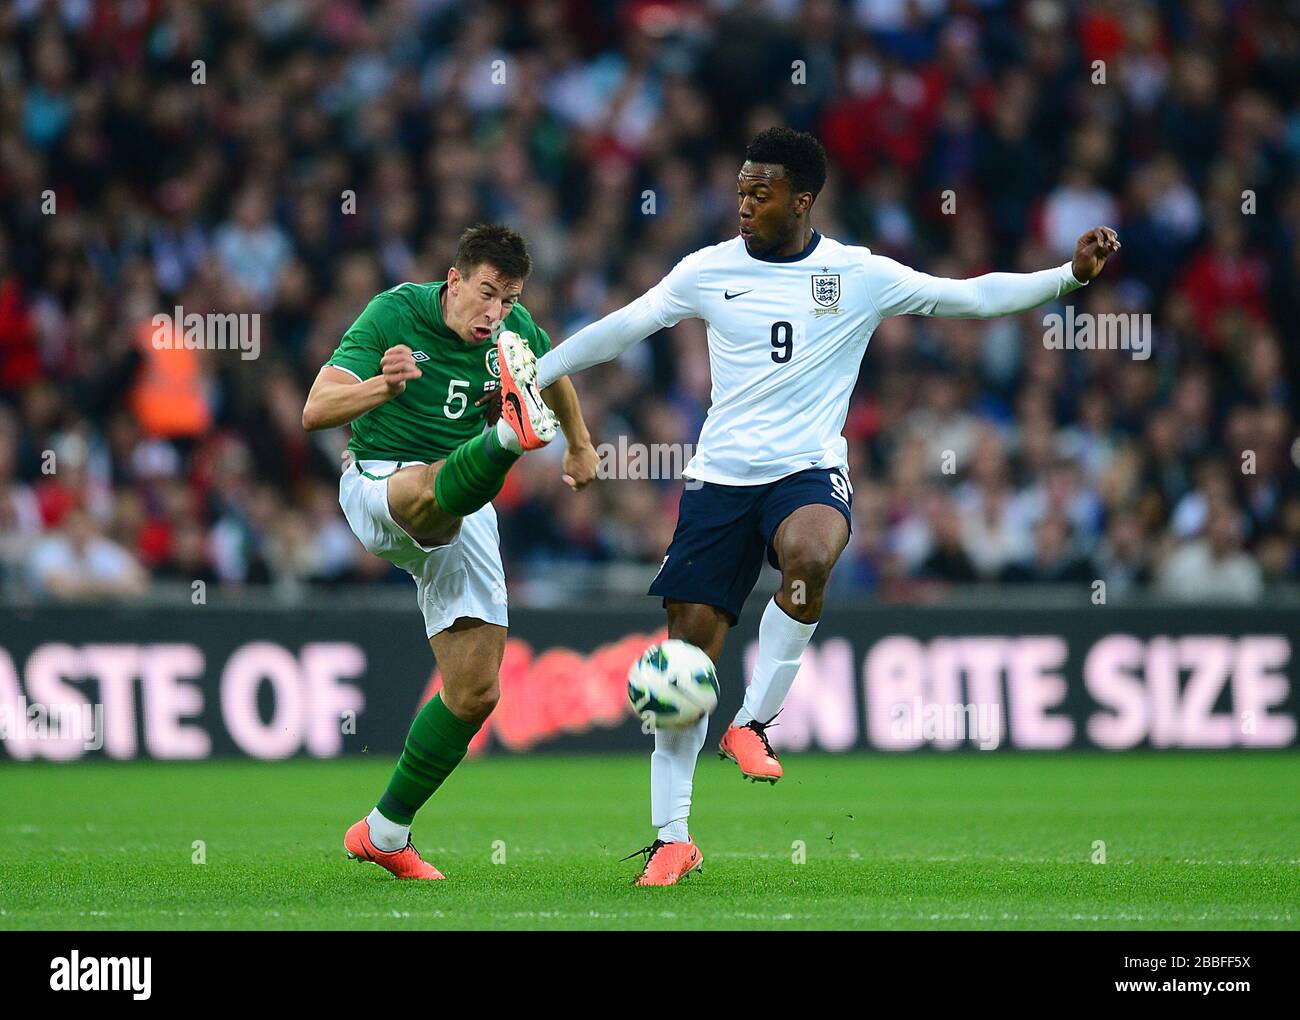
435 413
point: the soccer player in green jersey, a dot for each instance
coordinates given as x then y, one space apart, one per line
416 375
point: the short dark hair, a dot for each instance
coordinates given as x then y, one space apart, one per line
799 152
498 246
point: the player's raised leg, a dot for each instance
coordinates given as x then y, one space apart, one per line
469 656
674 854
807 544
429 500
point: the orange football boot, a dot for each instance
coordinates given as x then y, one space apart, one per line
403 863
667 863
747 746
521 403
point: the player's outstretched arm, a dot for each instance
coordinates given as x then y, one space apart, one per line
601 341
672 299
338 397
580 458
898 290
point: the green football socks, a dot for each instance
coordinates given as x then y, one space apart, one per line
472 474
435 745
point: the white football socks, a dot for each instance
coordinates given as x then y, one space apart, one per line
385 834
672 774
781 641
507 438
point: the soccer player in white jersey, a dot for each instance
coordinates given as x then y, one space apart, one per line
789 315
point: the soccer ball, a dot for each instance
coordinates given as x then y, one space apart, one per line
673 685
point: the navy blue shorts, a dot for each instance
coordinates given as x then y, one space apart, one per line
724 530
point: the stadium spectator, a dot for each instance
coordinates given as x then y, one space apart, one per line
77 561
1213 567
1054 559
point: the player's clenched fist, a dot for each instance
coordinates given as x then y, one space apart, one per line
398 368
1092 251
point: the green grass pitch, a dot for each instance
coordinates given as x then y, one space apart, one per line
1193 841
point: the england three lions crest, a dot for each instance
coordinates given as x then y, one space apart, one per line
826 292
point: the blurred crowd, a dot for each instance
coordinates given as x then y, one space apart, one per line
295 157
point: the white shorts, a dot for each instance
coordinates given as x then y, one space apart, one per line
463 578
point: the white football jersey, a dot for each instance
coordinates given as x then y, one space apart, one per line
786 337
785 342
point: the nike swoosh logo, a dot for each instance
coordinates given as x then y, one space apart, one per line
515 406
727 295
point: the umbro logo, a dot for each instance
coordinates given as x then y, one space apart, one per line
727 295
419 356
